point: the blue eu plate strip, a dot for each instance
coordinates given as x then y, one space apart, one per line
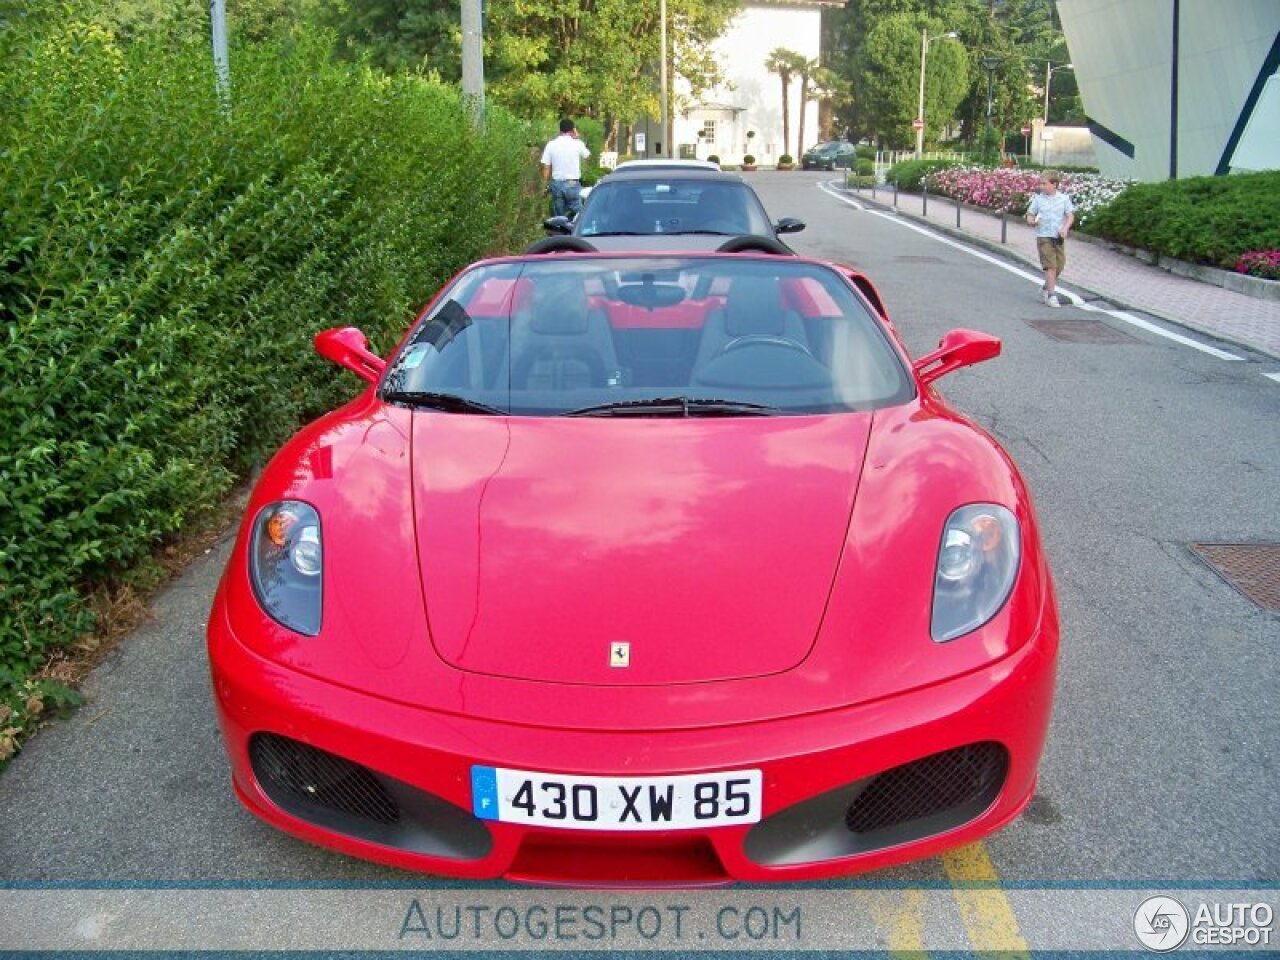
484 792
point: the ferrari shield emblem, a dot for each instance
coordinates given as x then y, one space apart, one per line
619 654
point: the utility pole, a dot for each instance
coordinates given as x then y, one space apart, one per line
662 29
473 59
221 62
925 41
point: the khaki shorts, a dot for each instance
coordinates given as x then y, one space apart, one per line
1053 253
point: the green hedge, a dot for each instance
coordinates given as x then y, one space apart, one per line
908 174
164 262
1203 219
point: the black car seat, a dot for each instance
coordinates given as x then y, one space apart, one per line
558 342
717 211
627 213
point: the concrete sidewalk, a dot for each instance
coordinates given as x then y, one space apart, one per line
1117 277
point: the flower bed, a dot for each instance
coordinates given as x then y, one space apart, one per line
1260 263
1012 189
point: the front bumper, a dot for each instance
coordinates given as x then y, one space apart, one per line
424 758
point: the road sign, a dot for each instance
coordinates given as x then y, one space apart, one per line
917 124
1026 131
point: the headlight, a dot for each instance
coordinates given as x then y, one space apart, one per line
977 563
285 564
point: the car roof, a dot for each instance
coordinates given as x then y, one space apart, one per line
670 162
654 172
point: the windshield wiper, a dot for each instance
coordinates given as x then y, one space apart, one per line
710 233
675 406
448 402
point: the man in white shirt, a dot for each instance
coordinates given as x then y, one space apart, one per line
562 170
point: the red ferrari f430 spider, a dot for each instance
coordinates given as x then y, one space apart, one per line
640 569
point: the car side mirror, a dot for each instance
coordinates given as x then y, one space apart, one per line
558 226
788 225
349 347
956 349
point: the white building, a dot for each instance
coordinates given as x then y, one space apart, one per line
1178 88
750 101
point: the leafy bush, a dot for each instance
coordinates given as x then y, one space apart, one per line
165 259
786 158
908 174
748 159
859 181
865 151
1209 220
1260 263
713 158
864 167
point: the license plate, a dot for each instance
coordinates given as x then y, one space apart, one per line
684 802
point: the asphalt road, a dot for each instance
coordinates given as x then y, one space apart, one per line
1162 763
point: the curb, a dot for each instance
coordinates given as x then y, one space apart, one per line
1241 283
1008 253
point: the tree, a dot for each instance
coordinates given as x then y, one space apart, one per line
832 93
846 32
785 63
806 69
400 34
889 68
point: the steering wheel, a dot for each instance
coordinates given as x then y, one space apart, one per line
764 339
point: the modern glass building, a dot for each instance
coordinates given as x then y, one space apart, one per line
1178 88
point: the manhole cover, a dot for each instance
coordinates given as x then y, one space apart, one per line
1079 331
1252 568
914 259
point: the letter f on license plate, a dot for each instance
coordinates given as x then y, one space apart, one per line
684 802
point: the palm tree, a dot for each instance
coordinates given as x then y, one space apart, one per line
831 92
806 68
784 63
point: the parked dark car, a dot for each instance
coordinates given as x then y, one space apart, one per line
669 208
830 155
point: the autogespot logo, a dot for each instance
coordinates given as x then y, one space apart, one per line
1161 923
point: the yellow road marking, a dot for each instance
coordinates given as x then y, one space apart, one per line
900 914
988 915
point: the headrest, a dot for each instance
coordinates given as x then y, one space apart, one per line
754 305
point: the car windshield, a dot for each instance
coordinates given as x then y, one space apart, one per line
648 336
644 206
829 147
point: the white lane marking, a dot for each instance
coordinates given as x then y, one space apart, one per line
823 186
1035 278
1273 376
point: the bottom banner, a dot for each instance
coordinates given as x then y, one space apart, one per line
926 919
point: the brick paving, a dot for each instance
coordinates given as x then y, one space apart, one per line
1117 277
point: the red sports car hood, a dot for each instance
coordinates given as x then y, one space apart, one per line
707 546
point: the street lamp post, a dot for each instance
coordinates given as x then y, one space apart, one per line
662 27
925 40
473 59
989 64
218 31
1049 71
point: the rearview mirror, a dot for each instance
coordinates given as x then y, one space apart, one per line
650 295
788 225
558 226
956 349
349 347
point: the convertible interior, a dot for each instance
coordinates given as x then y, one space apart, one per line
568 335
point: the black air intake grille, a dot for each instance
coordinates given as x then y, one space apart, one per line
927 787
312 777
